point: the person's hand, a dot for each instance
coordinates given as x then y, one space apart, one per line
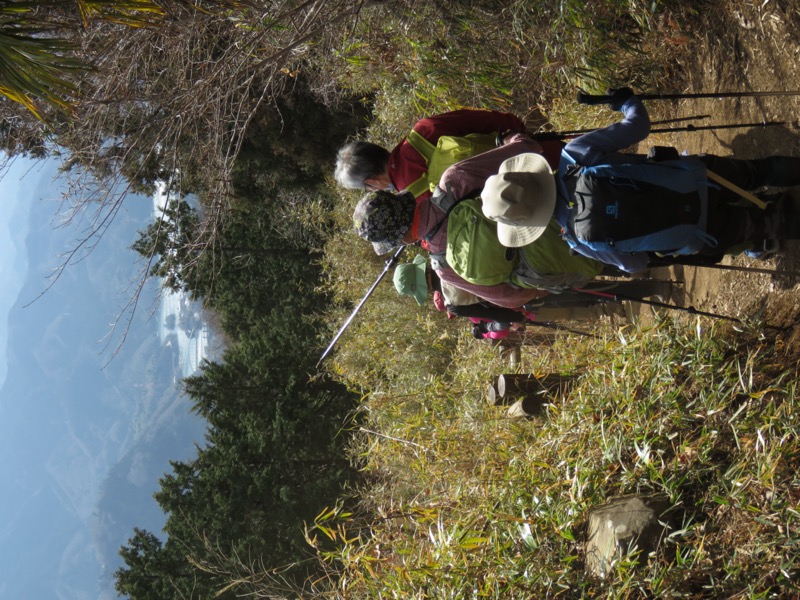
516 136
533 142
618 97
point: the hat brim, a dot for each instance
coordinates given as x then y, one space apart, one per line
528 162
421 290
512 236
515 236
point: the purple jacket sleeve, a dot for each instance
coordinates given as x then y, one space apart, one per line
469 176
592 148
502 294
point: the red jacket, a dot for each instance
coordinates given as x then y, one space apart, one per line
406 165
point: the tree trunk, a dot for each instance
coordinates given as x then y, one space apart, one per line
528 407
512 385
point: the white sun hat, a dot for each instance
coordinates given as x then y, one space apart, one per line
521 198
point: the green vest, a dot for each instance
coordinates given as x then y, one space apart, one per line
449 150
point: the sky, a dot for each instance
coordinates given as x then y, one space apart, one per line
16 184
83 439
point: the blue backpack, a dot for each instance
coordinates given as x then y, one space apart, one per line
640 206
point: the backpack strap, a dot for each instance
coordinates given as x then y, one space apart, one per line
439 261
736 189
426 150
444 201
421 145
419 187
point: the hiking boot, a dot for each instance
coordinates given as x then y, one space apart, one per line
785 222
780 220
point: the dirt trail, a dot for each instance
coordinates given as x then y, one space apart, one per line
753 46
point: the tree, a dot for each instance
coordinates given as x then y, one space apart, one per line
129 102
154 572
137 105
37 62
170 245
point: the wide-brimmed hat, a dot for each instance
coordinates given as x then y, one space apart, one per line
521 198
384 218
410 279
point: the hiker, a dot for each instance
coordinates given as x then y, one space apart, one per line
416 279
364 165
549 265
625 210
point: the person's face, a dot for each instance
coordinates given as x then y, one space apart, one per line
381 182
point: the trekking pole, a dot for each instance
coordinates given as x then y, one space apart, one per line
714 127
688 309
680 119
586 98
689 263
558 327
389 263
557 135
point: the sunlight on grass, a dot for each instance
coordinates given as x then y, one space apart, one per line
462 501
469 501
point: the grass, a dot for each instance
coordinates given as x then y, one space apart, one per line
464 502
461 501
517 56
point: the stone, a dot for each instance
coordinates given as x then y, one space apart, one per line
624 524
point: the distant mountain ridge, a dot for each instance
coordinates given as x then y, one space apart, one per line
92 437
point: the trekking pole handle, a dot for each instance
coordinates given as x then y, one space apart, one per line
584 98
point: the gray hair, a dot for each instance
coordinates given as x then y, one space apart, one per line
358 161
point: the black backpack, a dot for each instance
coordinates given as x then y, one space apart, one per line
640 206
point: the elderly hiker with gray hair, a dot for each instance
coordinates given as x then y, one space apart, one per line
408 167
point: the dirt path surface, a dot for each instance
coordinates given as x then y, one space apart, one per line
751 46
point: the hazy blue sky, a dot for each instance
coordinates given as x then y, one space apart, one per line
83 439
19 185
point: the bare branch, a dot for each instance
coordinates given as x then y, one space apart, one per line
177 98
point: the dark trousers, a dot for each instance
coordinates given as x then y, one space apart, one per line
736 222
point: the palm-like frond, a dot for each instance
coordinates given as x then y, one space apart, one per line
36 61
33 65
133 13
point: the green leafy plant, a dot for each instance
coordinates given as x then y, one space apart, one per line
463 497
